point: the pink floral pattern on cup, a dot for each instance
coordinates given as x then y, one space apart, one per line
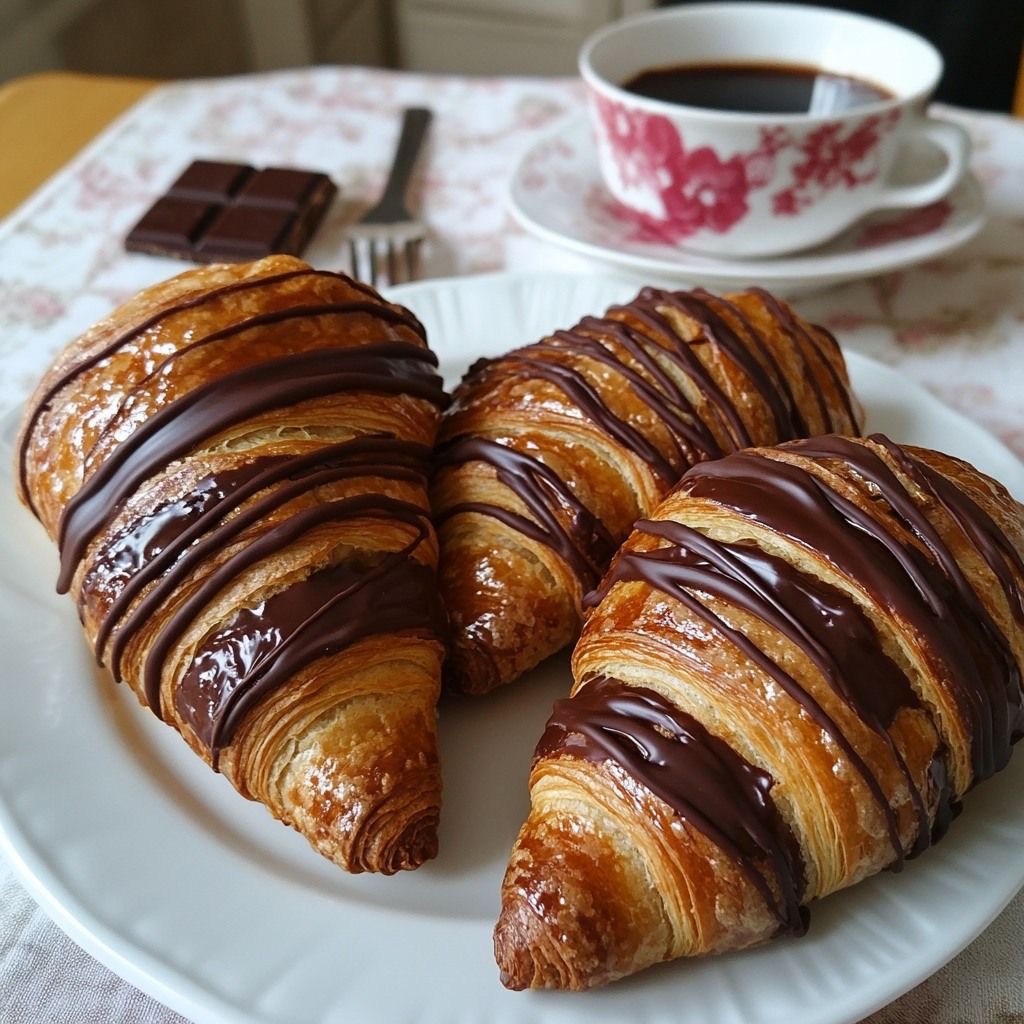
829 159
695 188
698 188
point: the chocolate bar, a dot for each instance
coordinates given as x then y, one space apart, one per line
227 212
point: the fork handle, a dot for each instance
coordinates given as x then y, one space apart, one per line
415 121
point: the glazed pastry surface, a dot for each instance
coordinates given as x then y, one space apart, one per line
792 673
549 453
234 465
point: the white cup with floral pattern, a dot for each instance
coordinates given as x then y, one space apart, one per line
761 184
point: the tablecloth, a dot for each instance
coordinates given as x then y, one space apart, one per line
955 325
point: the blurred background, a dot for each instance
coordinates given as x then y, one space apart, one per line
980 39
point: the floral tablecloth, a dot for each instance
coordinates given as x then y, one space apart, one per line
955 325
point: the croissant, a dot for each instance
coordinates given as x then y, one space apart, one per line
794 671
548 454
234 465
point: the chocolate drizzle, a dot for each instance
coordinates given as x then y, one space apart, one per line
190 531
659 341
697 774
641 344
192 302
795 326
821 620
814 616
265 546
664 396
993 545
583 543
140 553
270 318
699 306
929 593
535 363
260 648
181 425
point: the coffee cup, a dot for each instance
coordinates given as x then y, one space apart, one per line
749 182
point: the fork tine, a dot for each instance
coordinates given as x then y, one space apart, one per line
387 255
371 259
412 257
393 274
353 259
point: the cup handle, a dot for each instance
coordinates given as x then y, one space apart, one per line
955 143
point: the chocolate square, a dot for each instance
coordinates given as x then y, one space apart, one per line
218 211
170 225
281 187
210 180
246 233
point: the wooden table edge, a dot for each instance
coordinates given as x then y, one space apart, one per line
47 117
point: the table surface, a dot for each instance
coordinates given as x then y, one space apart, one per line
955 325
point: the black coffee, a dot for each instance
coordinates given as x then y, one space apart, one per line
756 88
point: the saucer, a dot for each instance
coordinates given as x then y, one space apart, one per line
557 194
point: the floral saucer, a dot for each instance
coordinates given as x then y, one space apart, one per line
557 194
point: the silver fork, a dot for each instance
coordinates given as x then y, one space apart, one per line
389 234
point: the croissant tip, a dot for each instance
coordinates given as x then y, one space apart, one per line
381 851
510 981
415 846
517 967
469 669
382 822
528 956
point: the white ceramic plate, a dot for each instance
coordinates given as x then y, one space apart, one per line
556 193
159 869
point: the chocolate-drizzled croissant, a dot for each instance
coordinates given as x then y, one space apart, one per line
234 464
550 453
797 667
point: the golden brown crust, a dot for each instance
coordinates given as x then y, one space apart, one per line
867 709
617 408
299 494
